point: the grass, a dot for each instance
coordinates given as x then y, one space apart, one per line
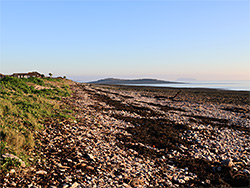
24 109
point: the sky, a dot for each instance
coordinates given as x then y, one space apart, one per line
89 40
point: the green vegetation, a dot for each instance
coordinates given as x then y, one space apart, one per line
25 104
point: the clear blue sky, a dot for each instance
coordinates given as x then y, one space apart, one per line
206 40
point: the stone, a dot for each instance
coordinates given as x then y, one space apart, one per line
22 163
227 162
135 183
90 168
41 172
61 166
219 168
64 185
235 169
117 166
13 184
90 156
181 181
30 185
208 181
5 155
8 155
75 185
12 171
209 158
83 164
246 171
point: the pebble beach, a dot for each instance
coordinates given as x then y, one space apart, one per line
128 136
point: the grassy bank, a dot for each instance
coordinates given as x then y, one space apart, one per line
25 104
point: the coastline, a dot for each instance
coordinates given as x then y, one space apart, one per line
243 85
146 136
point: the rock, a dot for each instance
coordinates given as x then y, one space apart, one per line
12 171
246 171
61 166
135 183
79 154
125 185
13 184
69 160
83 164
80 146
235 169
32 169
31 159
41 172
90 168
64 185
208 181
8 155
169 177
227 162
30 185
209 158
90 156
75 185
219 168
68 179
181 181
22 163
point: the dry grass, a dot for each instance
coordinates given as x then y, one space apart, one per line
25 104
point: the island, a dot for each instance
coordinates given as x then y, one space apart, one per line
116 81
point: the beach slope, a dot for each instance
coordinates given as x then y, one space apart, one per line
143 136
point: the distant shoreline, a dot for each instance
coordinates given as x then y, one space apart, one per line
115 81
217 85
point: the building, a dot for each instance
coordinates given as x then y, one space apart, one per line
24 75
2 76
35 74
27 75
19 75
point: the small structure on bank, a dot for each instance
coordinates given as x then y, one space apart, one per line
2 76
24 75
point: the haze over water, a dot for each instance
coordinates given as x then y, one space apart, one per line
240 85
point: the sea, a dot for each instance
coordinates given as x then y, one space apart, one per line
242 85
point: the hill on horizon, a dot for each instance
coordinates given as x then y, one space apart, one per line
116 81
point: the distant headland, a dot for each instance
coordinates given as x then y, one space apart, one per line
115 81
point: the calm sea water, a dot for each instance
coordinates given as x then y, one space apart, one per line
226 85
